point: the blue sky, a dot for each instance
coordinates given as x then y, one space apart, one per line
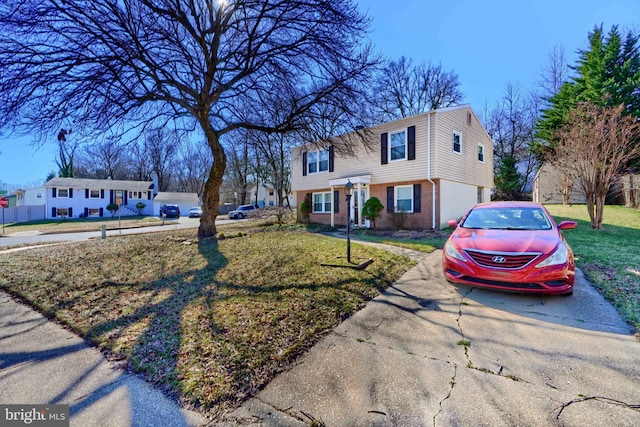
487 43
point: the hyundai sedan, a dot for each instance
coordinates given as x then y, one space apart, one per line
512 246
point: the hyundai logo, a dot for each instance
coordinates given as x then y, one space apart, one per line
499 259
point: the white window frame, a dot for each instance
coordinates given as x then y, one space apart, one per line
453 144
396 189
60 196
481 152
320 161
93 212
326 202
91 195
406 146
480 194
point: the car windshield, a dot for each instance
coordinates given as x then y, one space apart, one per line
507 219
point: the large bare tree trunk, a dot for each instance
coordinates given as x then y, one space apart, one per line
211 196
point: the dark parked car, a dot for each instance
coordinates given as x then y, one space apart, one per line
170 211
512 246
242 211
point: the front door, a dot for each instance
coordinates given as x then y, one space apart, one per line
358 199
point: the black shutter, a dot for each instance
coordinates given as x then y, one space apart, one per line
86 193
70 212
411 142
148 195
331 158
336 201
86 212
390 199
417 197
53 211
384 149
126 202
102 193
304 164
54 193
110 196
101 212
70 195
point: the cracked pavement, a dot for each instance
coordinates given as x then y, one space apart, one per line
429 353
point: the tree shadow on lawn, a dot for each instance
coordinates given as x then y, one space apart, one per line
212 343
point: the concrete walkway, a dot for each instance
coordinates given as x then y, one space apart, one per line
427 353
42 363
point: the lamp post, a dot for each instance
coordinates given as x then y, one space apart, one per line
348 190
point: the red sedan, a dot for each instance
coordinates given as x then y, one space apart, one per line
511 246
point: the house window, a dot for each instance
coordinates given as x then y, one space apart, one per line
398 146
271 203
457 143
94 194
271 193
480 195
481 153
63 192
318 161
404 198
62 212
38 195
322 202
93 212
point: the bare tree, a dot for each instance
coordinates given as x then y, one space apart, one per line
192 168
67 148
146 63
404 89
106 159
554 74
511 125
595 144
161 150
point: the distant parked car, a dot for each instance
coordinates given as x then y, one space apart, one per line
170 211
511 246
242 211
195 212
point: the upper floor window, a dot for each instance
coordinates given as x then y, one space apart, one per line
318 161
398 146
94 194
63 192
38 195
457 143
481 153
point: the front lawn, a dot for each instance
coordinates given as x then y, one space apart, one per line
609 257
212 322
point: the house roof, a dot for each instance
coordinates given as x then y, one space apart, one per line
106 184
177 198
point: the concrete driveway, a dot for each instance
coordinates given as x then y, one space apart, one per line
428 353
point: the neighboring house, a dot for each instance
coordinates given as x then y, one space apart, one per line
88 198
31 197
427 168
264 195
185 201
548 188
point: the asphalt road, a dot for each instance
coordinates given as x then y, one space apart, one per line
33 237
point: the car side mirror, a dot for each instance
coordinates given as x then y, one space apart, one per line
567 225
452 223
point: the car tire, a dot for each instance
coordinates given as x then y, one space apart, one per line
241 216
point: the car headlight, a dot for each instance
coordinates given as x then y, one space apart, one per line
560 256
451 250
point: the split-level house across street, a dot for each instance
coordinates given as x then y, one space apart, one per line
425 169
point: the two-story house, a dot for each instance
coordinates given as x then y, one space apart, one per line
429 168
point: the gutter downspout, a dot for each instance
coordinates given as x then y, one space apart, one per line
433 184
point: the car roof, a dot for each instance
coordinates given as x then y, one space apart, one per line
508 204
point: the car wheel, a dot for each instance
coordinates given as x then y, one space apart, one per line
240 216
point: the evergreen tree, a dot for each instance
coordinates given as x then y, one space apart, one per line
508 180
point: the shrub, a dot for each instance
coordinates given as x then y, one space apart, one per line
371 209
113 208
140 206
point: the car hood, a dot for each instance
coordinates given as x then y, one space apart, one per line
543 241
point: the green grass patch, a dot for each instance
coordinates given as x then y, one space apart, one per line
609 257
213 321
84 224
427 244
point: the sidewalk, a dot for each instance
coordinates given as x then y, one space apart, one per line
42 363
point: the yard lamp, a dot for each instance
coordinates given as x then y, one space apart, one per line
348 191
